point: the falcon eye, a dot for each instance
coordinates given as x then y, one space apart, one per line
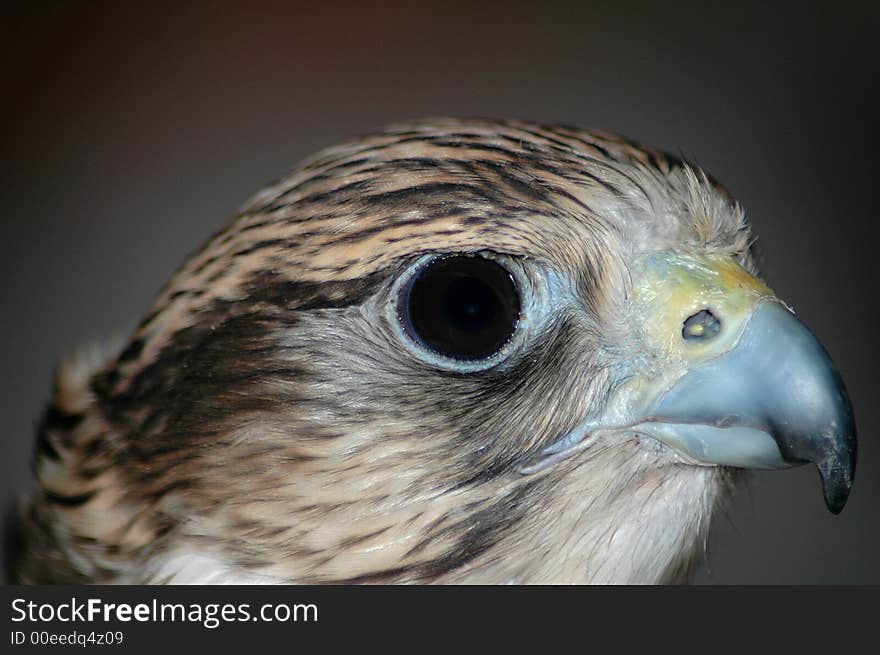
461 307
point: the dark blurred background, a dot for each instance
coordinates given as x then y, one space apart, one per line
130 133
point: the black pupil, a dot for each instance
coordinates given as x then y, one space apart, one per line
462 307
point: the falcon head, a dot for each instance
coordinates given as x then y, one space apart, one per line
451 351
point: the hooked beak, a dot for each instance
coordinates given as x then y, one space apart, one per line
728 376
774 400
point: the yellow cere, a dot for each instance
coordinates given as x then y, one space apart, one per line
671 287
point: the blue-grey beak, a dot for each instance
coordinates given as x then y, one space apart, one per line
773 400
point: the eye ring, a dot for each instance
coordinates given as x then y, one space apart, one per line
462 310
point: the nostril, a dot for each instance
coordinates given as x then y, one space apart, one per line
701 326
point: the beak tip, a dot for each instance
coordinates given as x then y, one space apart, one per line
836 503
837 481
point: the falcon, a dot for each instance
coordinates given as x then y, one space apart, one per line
452 351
